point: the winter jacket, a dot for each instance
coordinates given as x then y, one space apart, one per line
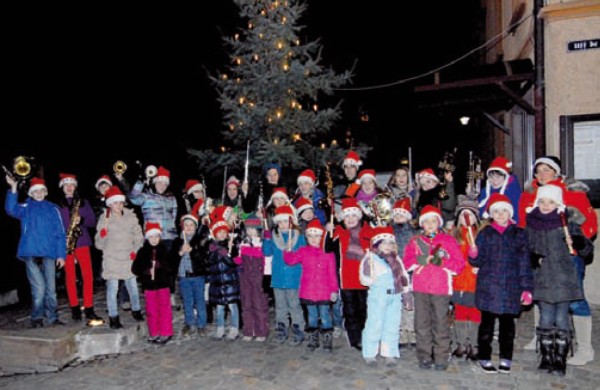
317 196
222 274
156 208
283 275
319 277
464 283
42 233
512 191
377 274
198 255
153 276
349 267
88 221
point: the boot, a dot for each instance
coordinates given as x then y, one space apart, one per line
137 315
282 332
546 340
297 335
583 335
562 343
460 336
532 345
75 313
90 315
115 323
472 352
312 334
327 339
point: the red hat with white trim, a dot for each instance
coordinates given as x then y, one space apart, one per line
352 158
350 207
194 214
500 201
430 211
307 175
67 178
104 179
114 194
218 225
152 229
500 164
192 185
402 207
427 173
381 233
36 183
221 212
162 174
303 204
366 173
232 180
284 213
280 192
314 227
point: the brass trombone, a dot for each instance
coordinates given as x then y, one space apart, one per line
21 168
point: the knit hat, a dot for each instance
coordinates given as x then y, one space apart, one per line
270 166
498 201
427 173
503 166
366 173
114 194
350 207
550 191
352 158
232 180
466 203
430 211
192 185
67 178
253 221
552 161
307 175
221 212
284 213
381 233
402 207
152 229
162 174
104 179
35 184
302 205
218 225
314 227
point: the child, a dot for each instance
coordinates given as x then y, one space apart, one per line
428 192
224 289
119 236
466 316
403 232
368 188
306 186
152 267
433 256
383 272
305 212
255 302
556 283
318 285
504 281
500 180
285 279
399 184
42 247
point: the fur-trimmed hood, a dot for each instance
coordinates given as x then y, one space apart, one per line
570 184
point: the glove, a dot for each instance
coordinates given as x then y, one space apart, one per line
526 298
132 256
103 232
334 297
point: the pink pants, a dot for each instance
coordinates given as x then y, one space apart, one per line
158 312
82 254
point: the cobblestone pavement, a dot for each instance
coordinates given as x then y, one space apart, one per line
202 363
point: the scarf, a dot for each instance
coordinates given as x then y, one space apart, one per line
539 221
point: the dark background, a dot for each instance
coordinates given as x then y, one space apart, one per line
98 80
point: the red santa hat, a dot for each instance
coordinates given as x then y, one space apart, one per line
430 211
314 227
279 192
402 207
502 165
152 229
427 173
352 158
350 207
221 212
104 179
500 201
67 178
194 214
218 225
366 173
114 194
284 213
382 233
162 174
303 204
307 175
549 191
232 180
35 184
192 185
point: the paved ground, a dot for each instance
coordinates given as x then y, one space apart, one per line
199 363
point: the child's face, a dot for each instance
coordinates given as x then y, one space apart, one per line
283 225
350 171
308 214
367 185
467 215
117 207
427 183
189 227
221 235
68 189
314 240
102 188
351 221
232 191
305 187
154 239
399 218
501 216
387 247
279 201
430 225
547 205
272 176
496 179
251 232
39 194
198 194
401 177
161 186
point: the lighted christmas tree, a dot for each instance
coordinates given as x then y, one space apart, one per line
274 94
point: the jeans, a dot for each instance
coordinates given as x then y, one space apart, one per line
580 307
319 311
336 311
111 295
192 296
235 315
554 315
41 273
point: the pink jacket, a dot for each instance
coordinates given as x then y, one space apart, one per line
318 278
430 278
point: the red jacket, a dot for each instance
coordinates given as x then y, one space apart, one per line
349 268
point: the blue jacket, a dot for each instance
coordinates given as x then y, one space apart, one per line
283 275
42 232
512 191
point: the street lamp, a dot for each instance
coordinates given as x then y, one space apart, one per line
464 120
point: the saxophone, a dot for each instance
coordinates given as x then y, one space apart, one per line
74 230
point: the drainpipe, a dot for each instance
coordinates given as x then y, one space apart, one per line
539 91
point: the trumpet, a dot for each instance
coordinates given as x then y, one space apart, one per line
119 167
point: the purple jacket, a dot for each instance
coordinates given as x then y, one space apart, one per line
319 277
88 221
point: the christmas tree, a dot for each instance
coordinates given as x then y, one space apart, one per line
274 94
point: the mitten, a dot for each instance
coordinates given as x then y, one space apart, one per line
132 256
103 232
268 235
436 259
526 298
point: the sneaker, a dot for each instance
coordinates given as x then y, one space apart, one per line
247 338
425 364
201 332
219 332
185 332
260 339
391 362
487 366
233 333
371 362
504 366
163 340
152 339
337 332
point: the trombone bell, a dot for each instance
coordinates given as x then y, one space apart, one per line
119 167
21 167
